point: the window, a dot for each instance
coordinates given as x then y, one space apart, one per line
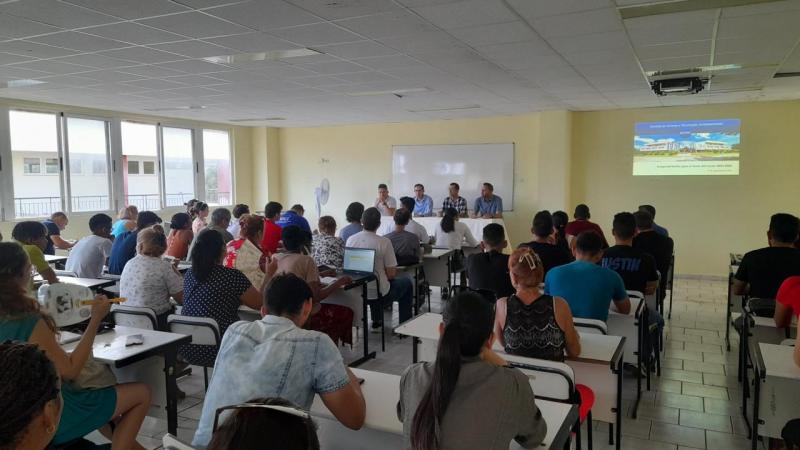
217 163
178 166
34 136
51 166
133 167
148 167
87 146
33 165
139 146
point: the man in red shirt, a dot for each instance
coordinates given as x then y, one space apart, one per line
788 302
272 232
581 224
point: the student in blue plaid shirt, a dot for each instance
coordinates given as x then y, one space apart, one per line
455 201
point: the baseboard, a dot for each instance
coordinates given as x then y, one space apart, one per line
701 277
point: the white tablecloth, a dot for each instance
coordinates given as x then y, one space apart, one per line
430 224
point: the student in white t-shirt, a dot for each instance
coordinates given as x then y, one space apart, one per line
414 226
89 255
148 280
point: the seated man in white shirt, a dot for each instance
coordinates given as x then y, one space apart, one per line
392 287
89 254
414 226
385 203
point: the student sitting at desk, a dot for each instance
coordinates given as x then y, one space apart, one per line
588 288
762 271
272 232
180 236
124 247
413 226
489 269
126 220
659 246
200 213
215 291
245 255
327 249
442 403
57 223
285 426
637 268
294 216
560 221
238 211
544 243
275 356
334 320
89 255
33 238
529 323
148 280
83 410
406 246
581 224
652 211
353 215
452 234
30 397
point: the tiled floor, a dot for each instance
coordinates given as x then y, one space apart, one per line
695 403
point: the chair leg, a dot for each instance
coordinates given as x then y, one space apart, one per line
205 377
611 434
578 435
589 425
383 335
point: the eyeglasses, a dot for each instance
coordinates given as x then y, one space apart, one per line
297 412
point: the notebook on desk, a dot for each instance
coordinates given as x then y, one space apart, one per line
67 337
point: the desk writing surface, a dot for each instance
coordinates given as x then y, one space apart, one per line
594 347
382 393
779 361
437 253
110 347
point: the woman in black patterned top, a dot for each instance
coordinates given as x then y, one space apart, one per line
529 323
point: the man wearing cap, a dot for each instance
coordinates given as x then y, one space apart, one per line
124 248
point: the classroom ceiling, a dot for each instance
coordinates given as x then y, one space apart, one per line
388 60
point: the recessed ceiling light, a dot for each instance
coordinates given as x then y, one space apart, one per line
389 92
177 108
19 83
263 56
258 119
454 108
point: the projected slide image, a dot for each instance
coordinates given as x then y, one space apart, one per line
697 147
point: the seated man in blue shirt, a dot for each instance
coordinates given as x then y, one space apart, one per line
124 247
276 357
656 227
488 205
423 204
294 216
588 288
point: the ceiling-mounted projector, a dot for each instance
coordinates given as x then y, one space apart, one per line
679 86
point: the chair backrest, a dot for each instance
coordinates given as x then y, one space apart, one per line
203 330
636 294
135 317
172 443
592 326
550 380
66 273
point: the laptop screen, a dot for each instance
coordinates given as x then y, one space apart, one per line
359 259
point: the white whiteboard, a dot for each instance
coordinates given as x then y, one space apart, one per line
469 165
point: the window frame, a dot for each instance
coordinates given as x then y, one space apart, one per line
197 162
232 162
66 169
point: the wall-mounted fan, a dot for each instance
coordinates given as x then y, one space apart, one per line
322 193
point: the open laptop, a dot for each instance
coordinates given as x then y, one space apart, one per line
358 261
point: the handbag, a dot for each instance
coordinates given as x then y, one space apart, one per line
95 375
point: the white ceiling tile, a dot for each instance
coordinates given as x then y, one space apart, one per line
698 17
195 92
280 69
33 50
601 57
196 80
609 40
674 50
255 42
56 13
69 80
595 21
321 81
195 24
15 27
194 49
150 71
79 41
386 62
334 68
499 33
750 58
239 76
111 76
364 77
534 9
9 58
387 25
142 55
201 4
133 33
316 34
343 9
676 63
423 42
96 61
264 15
761 25
53 67
360 49
468 13
131 9
194 66
761 8
16 73
670 34
154 83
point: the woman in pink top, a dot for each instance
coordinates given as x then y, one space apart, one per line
200 211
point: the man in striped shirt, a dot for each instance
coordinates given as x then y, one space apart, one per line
455 201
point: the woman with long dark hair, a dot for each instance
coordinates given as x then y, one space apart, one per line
245 255
200 214
180 236
560 221
453 234
441 402
83 410
215 291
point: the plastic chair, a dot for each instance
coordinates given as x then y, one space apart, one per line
135 317
203 330
591 326
170 442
